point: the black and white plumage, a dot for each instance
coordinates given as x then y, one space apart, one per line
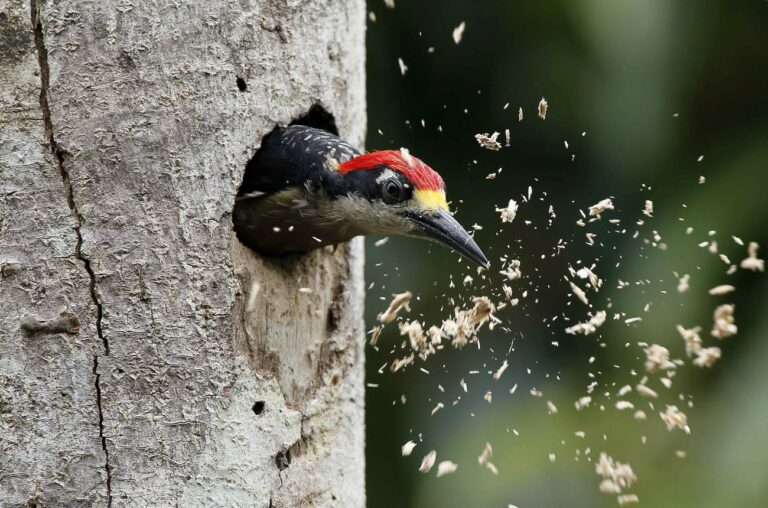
306 188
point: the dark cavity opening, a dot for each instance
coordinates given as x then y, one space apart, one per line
319 118
241 85
258 407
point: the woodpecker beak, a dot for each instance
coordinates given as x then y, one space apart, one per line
440 226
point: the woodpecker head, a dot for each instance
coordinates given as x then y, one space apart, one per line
393 192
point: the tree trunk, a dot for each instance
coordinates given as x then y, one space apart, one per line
147 357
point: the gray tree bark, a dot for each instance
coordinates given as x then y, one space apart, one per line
149 359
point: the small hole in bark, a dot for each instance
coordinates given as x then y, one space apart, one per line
258 407
241 85
283 459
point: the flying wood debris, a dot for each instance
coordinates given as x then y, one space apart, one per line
722 290
692 339
616 476
488 141
674 418
724 322
580 294
657 358
508 214
446 467
403 67
600 207
645 391
590 326
543 106
407 448
752 262
427 462
458 32
513 270
400 301
375 334
648 210
627 498
501 370
485 459
583 402
706 357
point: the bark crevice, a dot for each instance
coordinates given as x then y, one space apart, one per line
58 157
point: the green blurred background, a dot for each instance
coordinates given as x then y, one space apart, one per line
618 70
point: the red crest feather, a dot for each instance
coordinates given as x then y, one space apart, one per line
421 176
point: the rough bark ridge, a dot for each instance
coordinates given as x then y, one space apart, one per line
148 358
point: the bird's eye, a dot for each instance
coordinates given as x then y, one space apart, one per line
393 191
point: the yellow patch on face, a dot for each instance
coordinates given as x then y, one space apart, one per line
430 199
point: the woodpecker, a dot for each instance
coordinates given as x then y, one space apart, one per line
306 188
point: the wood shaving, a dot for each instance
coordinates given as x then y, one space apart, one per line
375 334
587 273
501 370
488 141
485 459
657 358
543 106
600 207
616 476
427 462
446 467
627 499
551 407
648 210
752 262
403 67
458 32
513 270
683 283
466 322
579 293
400 301
706 357
583 402
724 323
645 391
692 339
673 418
590 326
723 289
508 214
407 448
520 115
402 362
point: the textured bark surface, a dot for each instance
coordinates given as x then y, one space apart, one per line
147 357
